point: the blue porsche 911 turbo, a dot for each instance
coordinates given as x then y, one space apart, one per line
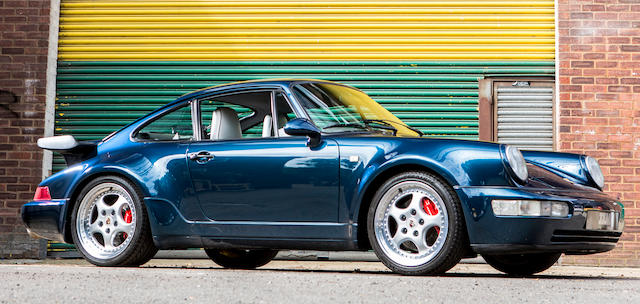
247 168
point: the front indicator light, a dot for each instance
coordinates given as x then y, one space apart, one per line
530 208
42 194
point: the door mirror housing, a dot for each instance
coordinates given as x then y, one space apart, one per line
304 127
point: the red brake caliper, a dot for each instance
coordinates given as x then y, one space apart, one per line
127 216
127 219
431 209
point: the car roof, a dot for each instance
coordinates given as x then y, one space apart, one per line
267 82
282 82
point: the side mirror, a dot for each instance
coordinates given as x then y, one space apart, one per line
304 127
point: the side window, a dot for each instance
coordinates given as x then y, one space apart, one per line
236 116
175 125
243 115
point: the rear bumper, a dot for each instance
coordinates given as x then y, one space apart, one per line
45 219
491 234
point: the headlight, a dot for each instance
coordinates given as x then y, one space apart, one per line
530 208
593 171
516 163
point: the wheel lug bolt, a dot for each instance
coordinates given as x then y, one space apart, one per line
108 230
413 211
415 233
403 217
104 212
115 223
404 230
100 224
421 222
113 212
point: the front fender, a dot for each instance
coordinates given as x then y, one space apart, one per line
568 165
460 163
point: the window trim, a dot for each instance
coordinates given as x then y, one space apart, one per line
195 118
274 118
274 110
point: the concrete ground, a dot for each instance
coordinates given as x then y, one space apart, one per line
197 280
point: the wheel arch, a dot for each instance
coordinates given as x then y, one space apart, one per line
79 186
370 190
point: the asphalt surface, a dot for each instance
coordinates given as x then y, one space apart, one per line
201 281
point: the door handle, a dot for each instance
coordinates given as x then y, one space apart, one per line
201 157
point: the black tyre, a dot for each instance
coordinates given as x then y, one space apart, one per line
415 224
109 224
522 264
241 259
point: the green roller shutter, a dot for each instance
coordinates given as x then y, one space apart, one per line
439 98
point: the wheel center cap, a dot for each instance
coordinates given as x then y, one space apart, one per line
108 221
411 223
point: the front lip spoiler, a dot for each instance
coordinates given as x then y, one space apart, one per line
566 248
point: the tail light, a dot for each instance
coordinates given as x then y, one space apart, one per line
42 194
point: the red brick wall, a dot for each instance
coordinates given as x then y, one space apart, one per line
599 75
24 32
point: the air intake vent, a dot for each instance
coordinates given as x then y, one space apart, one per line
583 236
525 116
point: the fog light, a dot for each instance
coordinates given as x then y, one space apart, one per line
530 208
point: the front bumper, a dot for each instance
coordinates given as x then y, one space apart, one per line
45 219
491 234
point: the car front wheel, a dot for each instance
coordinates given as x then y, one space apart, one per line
241 259
522 264
109 224
415 224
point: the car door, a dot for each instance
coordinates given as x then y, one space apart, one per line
264 180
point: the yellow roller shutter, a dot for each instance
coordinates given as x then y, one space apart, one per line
306 30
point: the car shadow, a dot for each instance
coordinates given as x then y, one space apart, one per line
389 273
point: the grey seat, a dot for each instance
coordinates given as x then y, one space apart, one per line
225 124
267 130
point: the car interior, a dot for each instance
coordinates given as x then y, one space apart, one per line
244 115
233 116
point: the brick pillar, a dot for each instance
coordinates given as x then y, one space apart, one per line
599 75
24 32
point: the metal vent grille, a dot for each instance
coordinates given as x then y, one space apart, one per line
525 116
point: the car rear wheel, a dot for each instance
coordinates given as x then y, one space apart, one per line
241 259
522 264
109 224
415 224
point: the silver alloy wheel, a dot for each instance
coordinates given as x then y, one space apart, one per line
106 221
411 223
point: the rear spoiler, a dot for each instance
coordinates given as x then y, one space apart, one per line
73 151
